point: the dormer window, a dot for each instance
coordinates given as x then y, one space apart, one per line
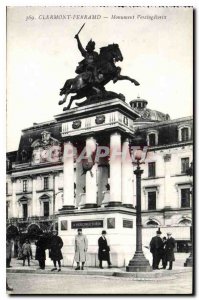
184 133
152 138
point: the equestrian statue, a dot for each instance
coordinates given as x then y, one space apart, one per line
94 72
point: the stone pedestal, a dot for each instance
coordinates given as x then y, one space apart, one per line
107 181
120 227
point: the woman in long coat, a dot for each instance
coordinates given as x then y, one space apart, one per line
81 246
169 250
104 250
55 253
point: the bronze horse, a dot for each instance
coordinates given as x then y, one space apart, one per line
85 85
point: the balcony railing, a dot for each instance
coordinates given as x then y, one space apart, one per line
30 219
21 165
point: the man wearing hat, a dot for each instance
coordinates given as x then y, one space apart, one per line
40 253
81 246
156 246
169 250
104 250
8 251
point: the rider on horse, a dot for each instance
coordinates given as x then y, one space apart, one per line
94 72
88 64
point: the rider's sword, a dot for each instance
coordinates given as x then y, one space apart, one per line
81 29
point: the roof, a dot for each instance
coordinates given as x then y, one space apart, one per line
140 106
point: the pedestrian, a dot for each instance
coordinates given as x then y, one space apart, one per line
104 250
40 254
156 245
169 250
26 252
20 254
55 253
8 252
163 253
81 246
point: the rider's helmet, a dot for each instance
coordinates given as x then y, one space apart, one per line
90 46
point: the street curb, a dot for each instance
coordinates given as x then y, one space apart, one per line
133 275
156 274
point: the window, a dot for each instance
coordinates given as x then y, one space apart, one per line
152 139
25 210
7 164
185 222
184 164
185 197
46 209
152 223
25 185
151 200
184 134
46 183
151 169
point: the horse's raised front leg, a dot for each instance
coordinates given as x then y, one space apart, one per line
70 102
122 77
64 99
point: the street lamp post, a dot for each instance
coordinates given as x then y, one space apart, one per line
138 263
189 260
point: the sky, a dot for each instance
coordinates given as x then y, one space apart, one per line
42 53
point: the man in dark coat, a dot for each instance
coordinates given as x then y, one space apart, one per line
163 253
8 252
169 250
40 254
156 246
104 249
55 253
